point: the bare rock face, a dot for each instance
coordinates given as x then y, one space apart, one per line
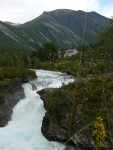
52 131
12 94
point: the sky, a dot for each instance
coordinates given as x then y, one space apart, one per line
21 11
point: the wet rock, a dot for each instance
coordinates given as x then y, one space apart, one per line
12 94
33 87
44 93
68 71
24 79
52 131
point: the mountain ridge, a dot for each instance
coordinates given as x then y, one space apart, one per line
63 26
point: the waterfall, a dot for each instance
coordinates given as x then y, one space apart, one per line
23 132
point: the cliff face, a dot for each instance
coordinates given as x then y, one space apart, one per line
12 94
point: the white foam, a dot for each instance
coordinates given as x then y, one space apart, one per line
23 132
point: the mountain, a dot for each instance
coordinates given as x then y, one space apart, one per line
11 23
11 38
63 26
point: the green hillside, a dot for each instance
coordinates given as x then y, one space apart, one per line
64 27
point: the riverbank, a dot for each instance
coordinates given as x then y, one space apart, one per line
11 93
70 116
56 128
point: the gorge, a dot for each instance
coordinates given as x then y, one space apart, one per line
23 132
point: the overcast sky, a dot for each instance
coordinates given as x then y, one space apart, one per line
20 11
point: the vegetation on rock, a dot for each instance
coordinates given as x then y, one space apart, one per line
13 67
78 105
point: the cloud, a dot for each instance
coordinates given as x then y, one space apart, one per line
107 10
21 11
109 13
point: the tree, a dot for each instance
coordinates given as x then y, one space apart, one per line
33 54
105 37
48 52
25 59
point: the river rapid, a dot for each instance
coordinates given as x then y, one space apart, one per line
23 132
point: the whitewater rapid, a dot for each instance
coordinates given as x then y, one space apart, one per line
23 132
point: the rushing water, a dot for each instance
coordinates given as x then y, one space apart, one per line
23 132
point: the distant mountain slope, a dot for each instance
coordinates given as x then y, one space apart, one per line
63 26
11 38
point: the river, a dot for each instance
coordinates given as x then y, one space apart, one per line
23 132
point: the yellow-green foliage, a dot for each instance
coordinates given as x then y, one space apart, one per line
94 97
99 132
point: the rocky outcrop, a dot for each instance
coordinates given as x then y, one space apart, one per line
50 128
54 131
12 94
